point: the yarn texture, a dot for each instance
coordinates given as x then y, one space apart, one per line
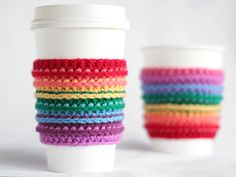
182 102
79 102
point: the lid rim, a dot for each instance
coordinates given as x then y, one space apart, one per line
80 16
36 24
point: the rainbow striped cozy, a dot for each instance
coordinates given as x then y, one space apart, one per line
79 101
182 102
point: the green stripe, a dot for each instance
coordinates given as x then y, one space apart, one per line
79 105
183 98
79 101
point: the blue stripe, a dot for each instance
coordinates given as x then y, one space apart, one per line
90 113
79 120
182 86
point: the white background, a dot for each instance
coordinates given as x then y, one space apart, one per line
153 22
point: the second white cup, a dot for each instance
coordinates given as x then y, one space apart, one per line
183 57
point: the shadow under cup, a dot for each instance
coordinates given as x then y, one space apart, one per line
182 91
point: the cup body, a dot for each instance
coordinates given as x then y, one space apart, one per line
186 57
79 31
96 158
83 42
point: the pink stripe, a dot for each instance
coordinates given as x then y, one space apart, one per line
182 71
78 140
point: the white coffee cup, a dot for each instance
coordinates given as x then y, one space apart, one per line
184 56
80 31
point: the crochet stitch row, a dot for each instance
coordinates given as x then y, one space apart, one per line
107 129
185 98
181 71
81 102
182 77
98 89
182 80
79 120
82 63
78 96
81 74
79 107
182 121
96 113
78 140
182 100
181 108
81 79
80 127
177 88
182 114
79 67
182 132
119 81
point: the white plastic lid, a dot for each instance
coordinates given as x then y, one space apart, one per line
80 16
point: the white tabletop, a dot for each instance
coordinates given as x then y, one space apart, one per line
29 161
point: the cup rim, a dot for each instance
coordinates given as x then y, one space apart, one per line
187 47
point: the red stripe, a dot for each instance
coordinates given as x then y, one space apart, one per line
79 74
183 132
79 63
79 67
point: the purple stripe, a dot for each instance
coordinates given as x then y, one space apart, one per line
78 140
84 129
167 90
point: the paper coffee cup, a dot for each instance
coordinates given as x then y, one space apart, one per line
80 31
184 57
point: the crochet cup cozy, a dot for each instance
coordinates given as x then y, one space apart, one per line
79 101
182 102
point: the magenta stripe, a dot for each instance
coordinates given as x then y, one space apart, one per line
82 129
178 79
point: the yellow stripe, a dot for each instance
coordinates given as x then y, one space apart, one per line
181 108
83 89
183 114
79 96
